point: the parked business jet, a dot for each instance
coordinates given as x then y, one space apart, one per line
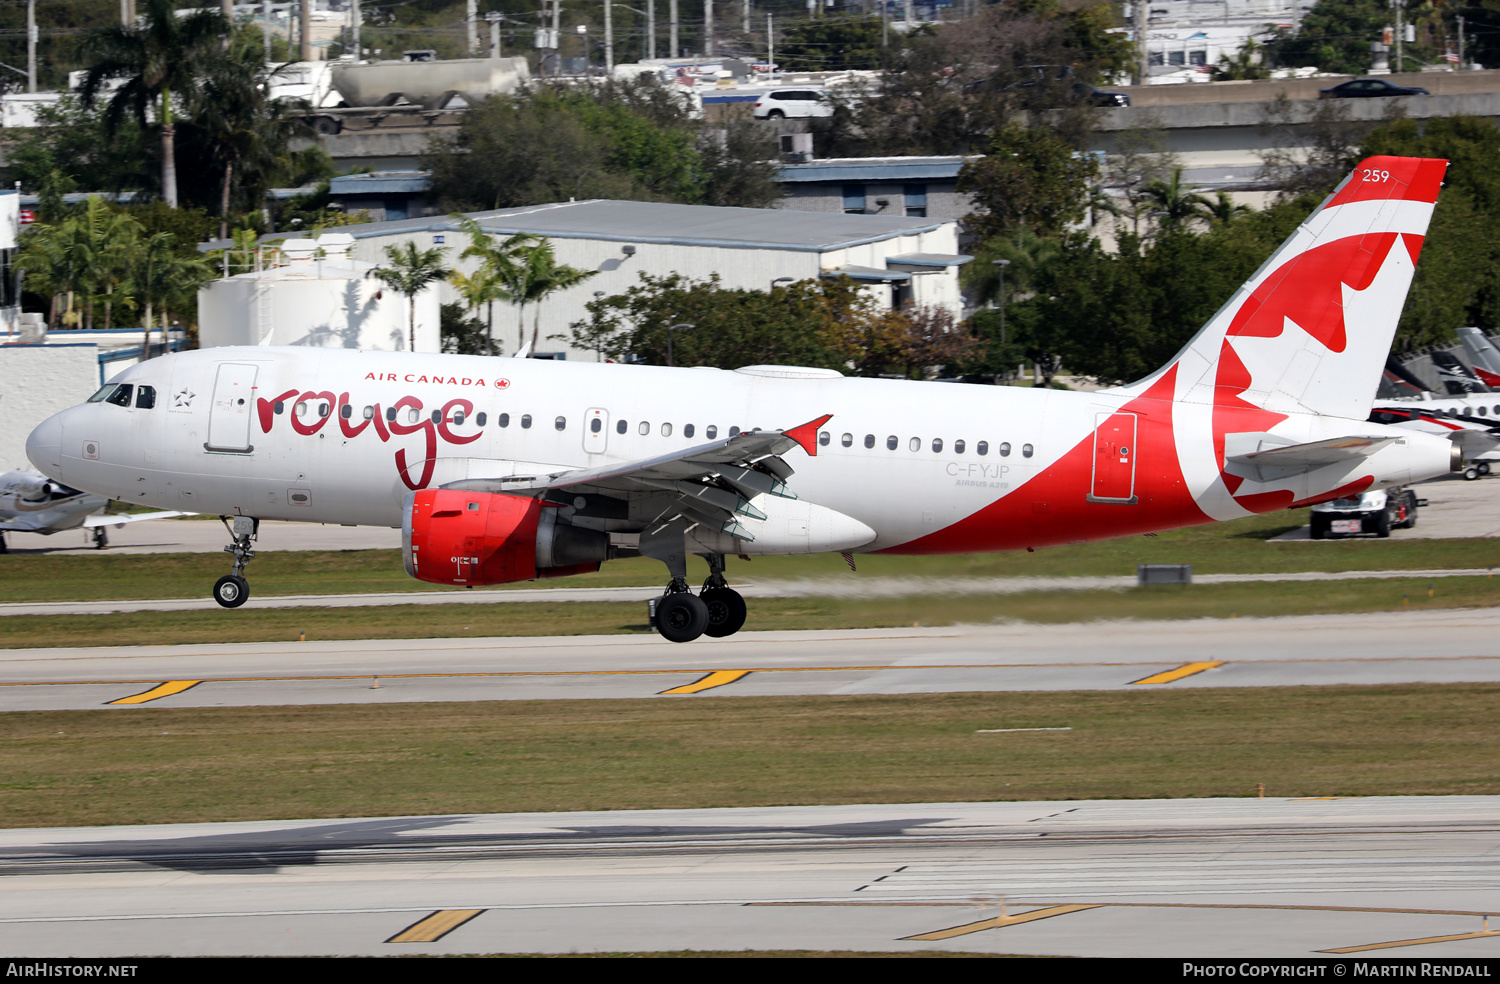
1482 356
32 503
502 470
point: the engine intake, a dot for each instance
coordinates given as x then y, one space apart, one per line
475 538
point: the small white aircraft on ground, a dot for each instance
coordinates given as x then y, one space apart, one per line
502 470
30 502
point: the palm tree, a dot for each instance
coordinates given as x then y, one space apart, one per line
161 275
1174 204
163 58
1028 253
411 270
479 289
246 131
537 275
498 262
1222 209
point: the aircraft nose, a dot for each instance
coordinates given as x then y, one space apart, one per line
44 445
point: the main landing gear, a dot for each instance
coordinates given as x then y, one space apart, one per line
717 610
232 590
101 538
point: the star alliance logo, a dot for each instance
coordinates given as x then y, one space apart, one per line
183 398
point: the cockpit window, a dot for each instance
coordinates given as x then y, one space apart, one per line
103 392
145 397
121 396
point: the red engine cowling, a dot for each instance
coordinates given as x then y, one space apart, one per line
472 538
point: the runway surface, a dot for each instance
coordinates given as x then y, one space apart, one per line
1393 647
1377 877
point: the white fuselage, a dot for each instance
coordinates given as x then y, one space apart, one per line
928 467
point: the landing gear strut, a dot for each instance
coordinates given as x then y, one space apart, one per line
101 538
717 611
232 590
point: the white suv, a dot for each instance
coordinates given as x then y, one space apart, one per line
781 104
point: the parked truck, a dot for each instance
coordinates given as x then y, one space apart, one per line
417 90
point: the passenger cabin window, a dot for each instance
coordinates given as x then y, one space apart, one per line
369 413
504 420
411 415
390 414
823 439
643 428
458 416
847 440
346 411
121 396
300 409
891 442
958 447
733 431
687 430
1026 450
324 409
982 448
480 417
712 431
666 430
525 421
279 406
437 416
561 423
937 445
621 426
1005 449
145 397
915 444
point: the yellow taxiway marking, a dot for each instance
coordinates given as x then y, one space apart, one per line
1185 670
1428 939
717 678
999 921
156 693
434 927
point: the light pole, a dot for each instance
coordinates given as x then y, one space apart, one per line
670 329
1000 266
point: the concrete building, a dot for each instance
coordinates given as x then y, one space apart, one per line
898 259
913 187
1185 39
36 381
311 293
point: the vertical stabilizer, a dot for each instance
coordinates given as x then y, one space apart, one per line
1310 331
1483 355
1458 379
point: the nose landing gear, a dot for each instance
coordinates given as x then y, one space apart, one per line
232 590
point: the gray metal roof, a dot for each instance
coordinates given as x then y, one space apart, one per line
874 169
664 223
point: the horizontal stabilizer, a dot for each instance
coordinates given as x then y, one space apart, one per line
1329 452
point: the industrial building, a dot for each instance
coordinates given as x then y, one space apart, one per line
899 259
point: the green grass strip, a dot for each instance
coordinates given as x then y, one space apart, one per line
172 765
601 618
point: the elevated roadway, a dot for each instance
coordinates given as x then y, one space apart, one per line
1341 880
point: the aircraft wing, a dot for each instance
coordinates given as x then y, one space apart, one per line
1311 455
710 483
120 519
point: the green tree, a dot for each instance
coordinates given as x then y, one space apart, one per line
162 276
535 276
1173 204
410 271
1030 177
499 271
164 57
831 44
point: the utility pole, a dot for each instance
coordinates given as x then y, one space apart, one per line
31 45
494 19
770 48
609 39
673 51
1400 34
1460 42
745 5
651 29
355 20
708 28
1143 59
305 49
265 30
471 27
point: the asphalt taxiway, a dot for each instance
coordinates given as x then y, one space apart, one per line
1389 647
1336 879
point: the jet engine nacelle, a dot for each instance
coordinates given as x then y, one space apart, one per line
471 538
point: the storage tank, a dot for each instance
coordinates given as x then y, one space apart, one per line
318 298
432 84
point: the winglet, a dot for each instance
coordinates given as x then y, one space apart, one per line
807 434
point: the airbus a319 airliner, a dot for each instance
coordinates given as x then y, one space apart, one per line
501 470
